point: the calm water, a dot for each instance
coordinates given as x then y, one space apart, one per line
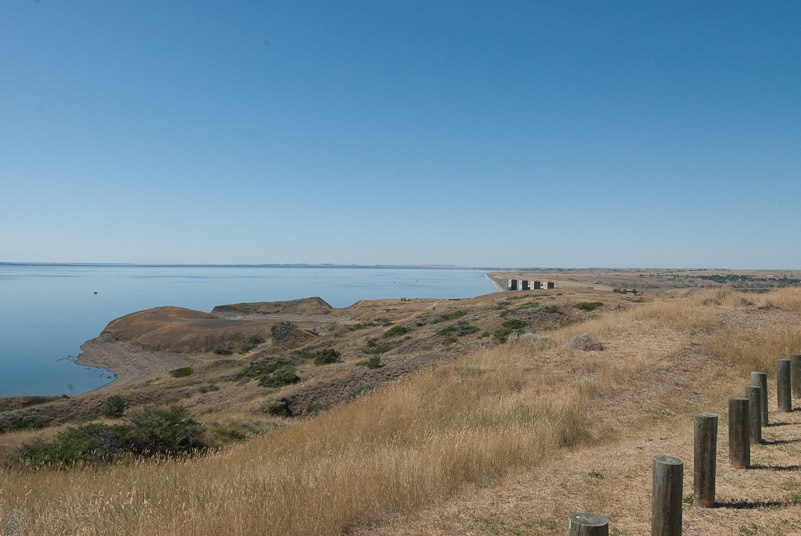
47 312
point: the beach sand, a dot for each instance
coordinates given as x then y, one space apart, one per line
129 362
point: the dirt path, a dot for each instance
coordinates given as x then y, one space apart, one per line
127 361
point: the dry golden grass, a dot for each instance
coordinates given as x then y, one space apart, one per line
428 436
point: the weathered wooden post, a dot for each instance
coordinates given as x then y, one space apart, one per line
795 375
666 497
705 427
760 379
587 524
783 386
739 433
754 396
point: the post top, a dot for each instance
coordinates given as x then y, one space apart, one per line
587 519
738 398
668 460
706 415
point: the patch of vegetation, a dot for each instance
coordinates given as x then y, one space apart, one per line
449 316
529 305
588 306
281 376
228 434
113 407
315 407
397 331
11 421
372 363
269 373
151 432
326 356
181 372
208 388
384 321
551 309
507 328
304 354
484 335
279 408
460 329
447 341
252 342
596 474
223 351
687 499
374 347
366 388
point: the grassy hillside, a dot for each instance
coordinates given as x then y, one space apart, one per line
442 435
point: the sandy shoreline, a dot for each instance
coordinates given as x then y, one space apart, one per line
129 362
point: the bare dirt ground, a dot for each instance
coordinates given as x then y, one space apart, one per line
129 362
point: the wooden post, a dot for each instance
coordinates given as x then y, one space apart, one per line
739 433
587 524
795 375
783 386
760 379
705 426
754 396
666 498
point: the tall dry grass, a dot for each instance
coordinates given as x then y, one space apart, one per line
390 450
423 437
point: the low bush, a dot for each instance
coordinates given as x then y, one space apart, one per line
223 351
372 363
151 432
279 408
449 316
11 421
284 375
397 331
181 372
315 407
375 348
586 342
507 328
113 406
588 306
326 356
252 342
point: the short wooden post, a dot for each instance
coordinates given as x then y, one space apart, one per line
754 396
666 498
760 379
587 524
705 426
795 375
739 433
783 393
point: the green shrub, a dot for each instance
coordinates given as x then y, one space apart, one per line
228 435
151 432
588 306
514 324
113 406
284 375
375 348
165 431
362 389
326 356
208 388
16 420
448 340
507 328
372 363
223 351
449 316
315 407
397 331
181 372
279 408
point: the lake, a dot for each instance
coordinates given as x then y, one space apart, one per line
47 311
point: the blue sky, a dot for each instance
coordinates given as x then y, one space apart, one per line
572 134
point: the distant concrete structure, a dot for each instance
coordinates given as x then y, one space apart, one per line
537 284
524 285
549 284
512 284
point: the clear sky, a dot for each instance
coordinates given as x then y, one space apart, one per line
494 133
